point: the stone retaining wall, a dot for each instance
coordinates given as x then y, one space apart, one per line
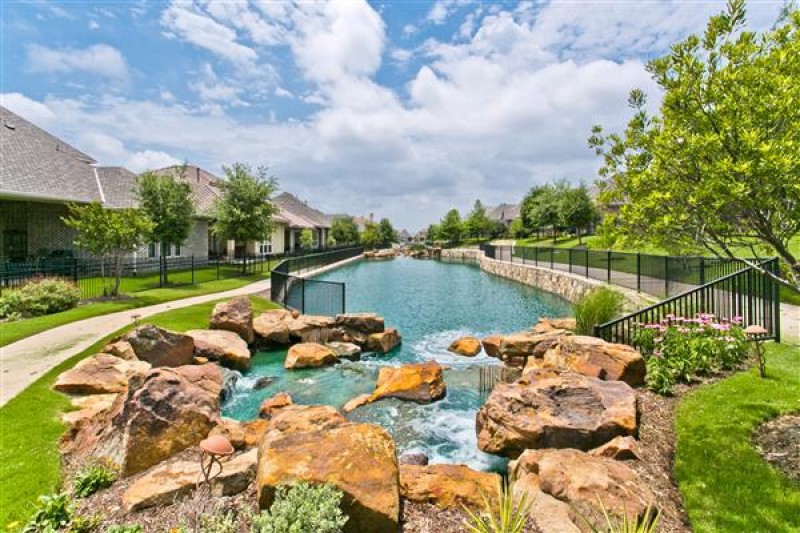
569 286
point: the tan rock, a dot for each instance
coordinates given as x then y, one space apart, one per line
491 345
254 431
383 342
466 346
168 482
313 328
99 374
358 459
272 404
345 350
87 407
357 402
233 431
548 513
555 409
160 347
526 344
582 481
448 485
586 354
220 345
361 322
421 382
555 325
235 315
272 326
309 355
619 448
302 418
121 349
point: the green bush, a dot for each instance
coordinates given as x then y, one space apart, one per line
125 528
93 478
598 306
679 348
42 297
54 513
302 508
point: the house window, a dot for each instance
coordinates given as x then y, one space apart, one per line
151 249
177 250
265 247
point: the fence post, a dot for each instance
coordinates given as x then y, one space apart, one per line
75 271
776 299
161 268
702 271
217 268
303 295
638 271
552 253
666 276
608 266
536 255
569 255
192 269
344 298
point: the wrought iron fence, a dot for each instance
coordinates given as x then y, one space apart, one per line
307 295
748 294
659 275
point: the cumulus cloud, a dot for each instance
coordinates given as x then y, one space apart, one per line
99 59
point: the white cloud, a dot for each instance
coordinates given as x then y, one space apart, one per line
283 93
93 25
401 54
149 159
99 59
442 9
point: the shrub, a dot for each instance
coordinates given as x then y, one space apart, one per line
598 306
84 524
647 524
509 517
93 478
42 297
220 522
125 528
679 348
54 513
300 508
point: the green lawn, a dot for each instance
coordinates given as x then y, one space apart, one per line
726 485
30 424
19 329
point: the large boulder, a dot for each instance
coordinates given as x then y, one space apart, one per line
466 346
360 322
555 325
160 347
293 419
233 430
583 481
448 485
272 404
592 356
619 448
168 482
309 355
235 315
345 350
383 342
164 412
491 345
420 382
99 374
358 459
314 328
272 326
555 409
121 349
220 345
526 344
88 407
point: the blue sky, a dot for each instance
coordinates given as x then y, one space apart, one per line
404 109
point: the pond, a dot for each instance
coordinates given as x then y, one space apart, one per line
431 303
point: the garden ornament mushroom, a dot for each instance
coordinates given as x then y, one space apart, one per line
215 447
756 334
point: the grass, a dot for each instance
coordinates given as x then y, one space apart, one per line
30 424
725 484
19 329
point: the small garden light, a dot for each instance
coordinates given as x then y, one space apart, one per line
756 334
215 447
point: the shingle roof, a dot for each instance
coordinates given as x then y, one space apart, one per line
206 187
503 212
299 214
119 186
36 164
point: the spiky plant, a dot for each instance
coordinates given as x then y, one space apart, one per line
508 516
647 524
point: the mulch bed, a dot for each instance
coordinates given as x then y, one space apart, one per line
778 442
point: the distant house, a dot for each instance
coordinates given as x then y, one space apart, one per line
421 236
404 237
504 213
361 222
296 216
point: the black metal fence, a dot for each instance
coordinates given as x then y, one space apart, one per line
747 294
659 275
307 295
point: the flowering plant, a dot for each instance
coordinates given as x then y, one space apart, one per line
678 348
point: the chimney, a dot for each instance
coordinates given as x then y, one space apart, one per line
197 173
372 217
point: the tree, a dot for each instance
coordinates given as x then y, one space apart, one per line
108 233
344 230
718 165
576 209
245 212
451 227
370 238
386 232
432 233
541 208
167 202
477 223
306 239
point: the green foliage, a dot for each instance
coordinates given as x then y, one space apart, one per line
306 239
93 478
624 524
718 165
678 348
108 233
540 208
302 508
451 227
596 307
517 229
433 233
125 528
167 202
344 230
84 524
245 212
576 209
477 224
386 232
509 517
217 522
370 238
54 513
38 298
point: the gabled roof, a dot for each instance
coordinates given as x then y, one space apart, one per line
119 187
404 234
38 165
503 212
206 187
299 214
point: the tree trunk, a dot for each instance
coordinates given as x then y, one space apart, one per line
580 239
117 274
164 248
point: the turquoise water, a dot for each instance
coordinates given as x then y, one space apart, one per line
431 303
